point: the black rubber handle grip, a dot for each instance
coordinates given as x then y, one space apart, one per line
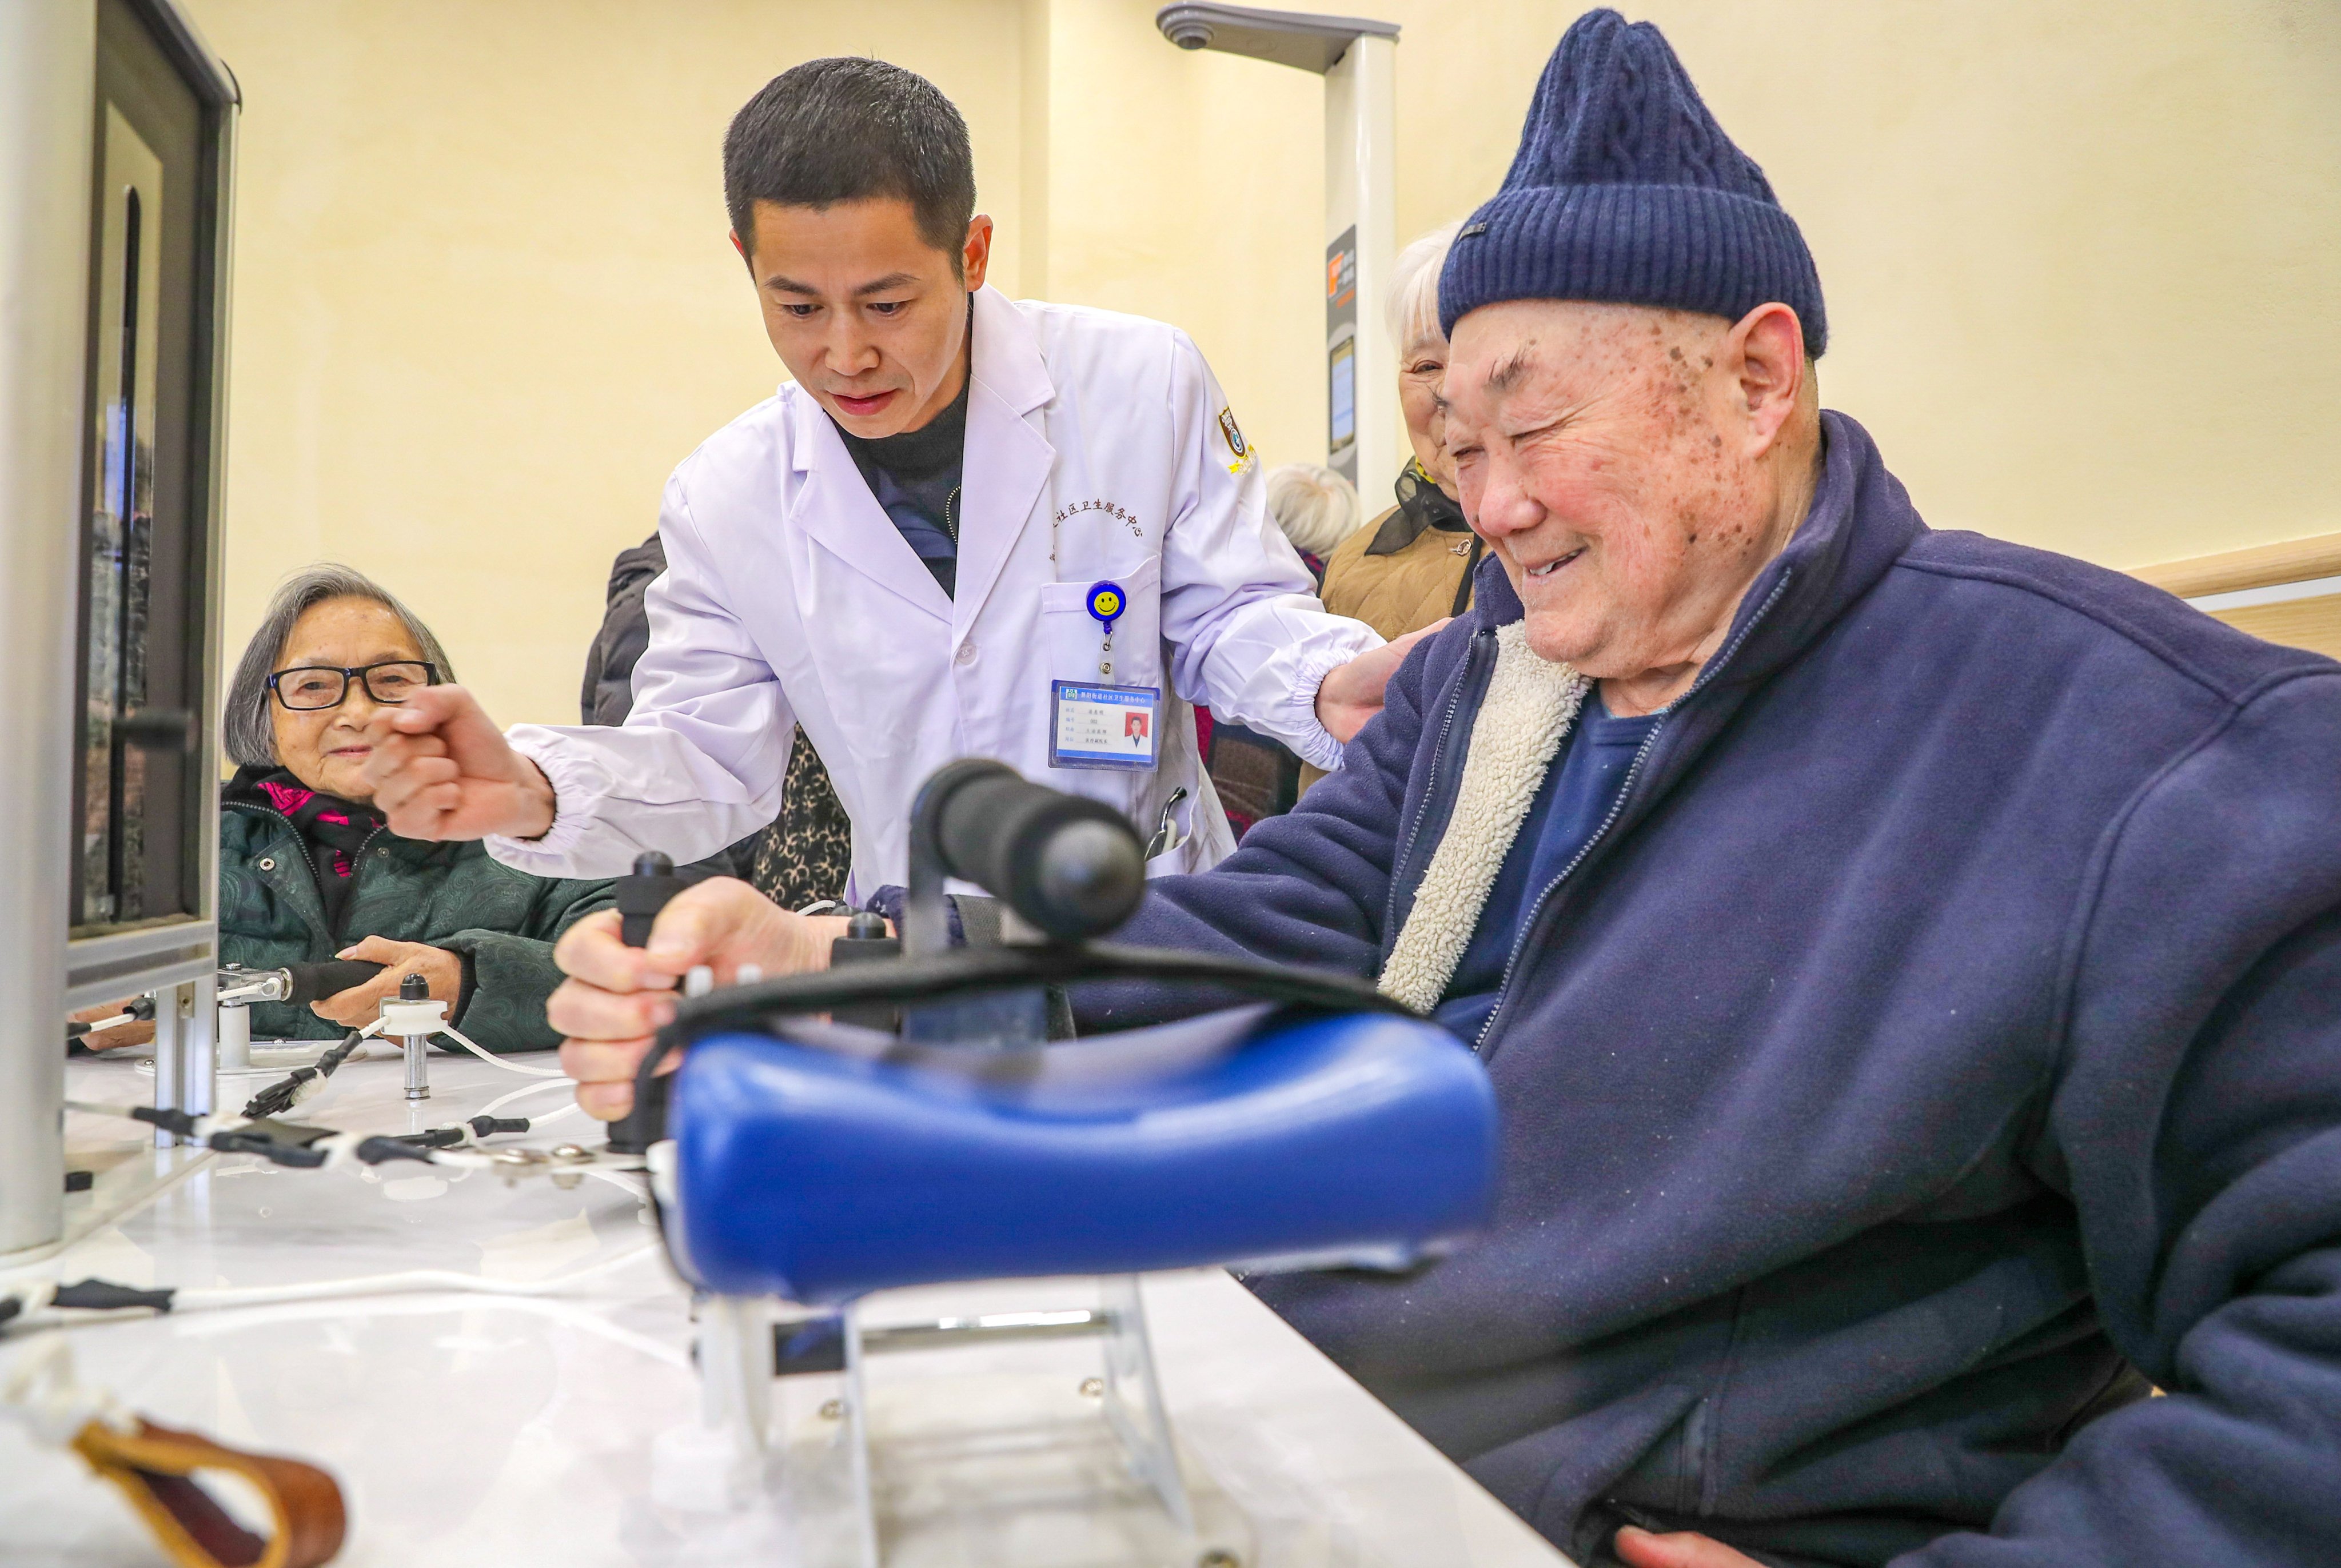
1071 866
316 982
866 941
640 898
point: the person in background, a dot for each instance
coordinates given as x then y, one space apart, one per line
1316 508
1412 566
799 861
307 869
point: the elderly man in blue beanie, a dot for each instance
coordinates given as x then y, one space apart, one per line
1909 964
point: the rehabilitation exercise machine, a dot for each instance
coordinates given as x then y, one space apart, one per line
1308 1123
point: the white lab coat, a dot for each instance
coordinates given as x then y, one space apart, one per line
1098 447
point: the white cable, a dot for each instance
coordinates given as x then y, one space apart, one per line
30 1297
240 993
467 1155
114 1022
199 1129
453 1033
338 1149
492 1106
42 1394
394 1283
617 1179
536 1122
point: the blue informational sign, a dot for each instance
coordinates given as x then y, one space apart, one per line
1341 355
1343 393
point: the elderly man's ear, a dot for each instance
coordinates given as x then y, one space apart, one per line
1765 352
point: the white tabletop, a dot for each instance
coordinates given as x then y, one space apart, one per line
476 1429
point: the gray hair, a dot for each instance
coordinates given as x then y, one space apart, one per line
1317 508
245 732
1411 307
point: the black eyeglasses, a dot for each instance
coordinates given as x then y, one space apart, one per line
311 687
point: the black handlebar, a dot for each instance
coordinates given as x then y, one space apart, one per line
1072 867
640 898
316 982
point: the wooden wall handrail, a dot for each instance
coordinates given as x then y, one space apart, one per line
2261 566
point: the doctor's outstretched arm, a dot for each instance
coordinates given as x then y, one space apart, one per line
698 764
440 769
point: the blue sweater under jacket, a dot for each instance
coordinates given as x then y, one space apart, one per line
1947 1031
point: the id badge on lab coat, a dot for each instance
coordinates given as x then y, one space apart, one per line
1094 726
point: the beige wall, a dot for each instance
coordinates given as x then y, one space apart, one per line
483 296
2079 258
1191 188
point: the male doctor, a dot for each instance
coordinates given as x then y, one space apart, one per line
970 527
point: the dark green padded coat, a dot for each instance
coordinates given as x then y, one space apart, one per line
501 922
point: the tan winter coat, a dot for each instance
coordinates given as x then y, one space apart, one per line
1395 591
1393 584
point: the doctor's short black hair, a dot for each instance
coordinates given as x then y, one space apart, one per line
846 129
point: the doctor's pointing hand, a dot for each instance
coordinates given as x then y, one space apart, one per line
966 526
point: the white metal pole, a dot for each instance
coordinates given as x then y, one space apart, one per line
1361 189
48 86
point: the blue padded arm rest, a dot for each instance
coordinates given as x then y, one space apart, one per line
823 1173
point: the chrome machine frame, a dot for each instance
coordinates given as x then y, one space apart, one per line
48 104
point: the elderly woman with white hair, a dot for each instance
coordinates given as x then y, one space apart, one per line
1412 566
1315 506
307 869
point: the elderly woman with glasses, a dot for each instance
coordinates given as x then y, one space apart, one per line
308 871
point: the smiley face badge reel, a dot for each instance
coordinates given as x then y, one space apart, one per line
1106 604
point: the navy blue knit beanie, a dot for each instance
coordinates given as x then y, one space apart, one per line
1625 190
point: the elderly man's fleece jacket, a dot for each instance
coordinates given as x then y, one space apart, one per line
1944 1031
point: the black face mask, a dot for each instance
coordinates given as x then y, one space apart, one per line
1425 504
1421 504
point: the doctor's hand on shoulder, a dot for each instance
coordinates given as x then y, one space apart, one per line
1353 692
440 769
617 998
